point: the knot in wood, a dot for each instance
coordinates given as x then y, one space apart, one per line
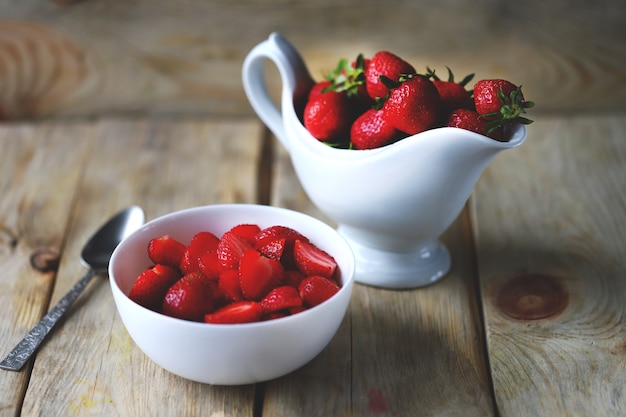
45 260
531 297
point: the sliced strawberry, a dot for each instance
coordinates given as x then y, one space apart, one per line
209 265
296 310
281 298
200 244
229 285
190 298
275 315
311 260
274 249
276 232
230 249
150 287
258 274
315 289
293 277
236 313
276 242
166 250
247 231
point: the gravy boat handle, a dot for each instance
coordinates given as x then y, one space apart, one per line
294 75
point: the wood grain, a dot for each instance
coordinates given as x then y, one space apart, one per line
537 256
147 57
415 353
80 369
553 212
32 221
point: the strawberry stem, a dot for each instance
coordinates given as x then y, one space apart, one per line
346 78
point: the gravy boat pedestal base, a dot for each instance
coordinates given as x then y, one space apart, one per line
392 203
419 267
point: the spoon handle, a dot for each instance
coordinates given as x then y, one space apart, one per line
20 354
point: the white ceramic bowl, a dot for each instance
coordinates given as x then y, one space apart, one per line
237 353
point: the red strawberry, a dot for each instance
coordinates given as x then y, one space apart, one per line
275 315
150 287
315 289
413 105
293 277
236 313
190 298
311 260
388 65
281 298
453 95
351 79
209 265
166 250
371 130
500 102
276 241
318 88
296 310
247 231
277 232
328 116
201 243
230 285
274 248
230 249
258 274
470 120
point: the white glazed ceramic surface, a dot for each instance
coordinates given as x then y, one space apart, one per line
229 354
390 203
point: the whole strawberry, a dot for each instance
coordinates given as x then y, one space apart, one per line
413 105
470 120
372 130
386 64
500 102
453 95
350 78
328 116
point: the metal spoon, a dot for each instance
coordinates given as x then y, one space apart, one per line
95 255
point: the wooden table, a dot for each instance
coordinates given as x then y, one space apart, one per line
529 322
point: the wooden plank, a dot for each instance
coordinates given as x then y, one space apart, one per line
91 366
417 352
552 224
36 167
323 386
147 56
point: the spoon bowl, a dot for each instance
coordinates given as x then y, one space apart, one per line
98 250
96 256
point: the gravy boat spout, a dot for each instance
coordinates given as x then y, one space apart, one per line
391 203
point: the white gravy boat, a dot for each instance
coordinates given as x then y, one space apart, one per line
392 203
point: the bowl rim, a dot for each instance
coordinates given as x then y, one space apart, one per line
348 277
